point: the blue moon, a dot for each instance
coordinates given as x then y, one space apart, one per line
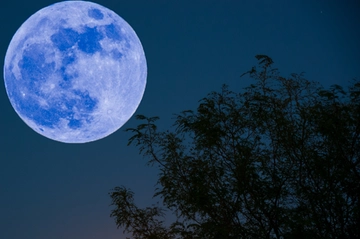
75 72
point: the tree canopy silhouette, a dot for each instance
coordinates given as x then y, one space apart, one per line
278 160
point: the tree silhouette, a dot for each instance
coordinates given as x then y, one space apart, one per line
278 160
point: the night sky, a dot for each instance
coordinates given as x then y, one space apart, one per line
54 190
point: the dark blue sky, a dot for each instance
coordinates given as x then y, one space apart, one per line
60 191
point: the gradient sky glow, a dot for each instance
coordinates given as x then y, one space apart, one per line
60 191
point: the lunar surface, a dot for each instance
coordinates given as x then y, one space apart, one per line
75 72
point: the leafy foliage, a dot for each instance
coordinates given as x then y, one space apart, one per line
279 160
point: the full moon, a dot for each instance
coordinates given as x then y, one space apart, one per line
75 72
